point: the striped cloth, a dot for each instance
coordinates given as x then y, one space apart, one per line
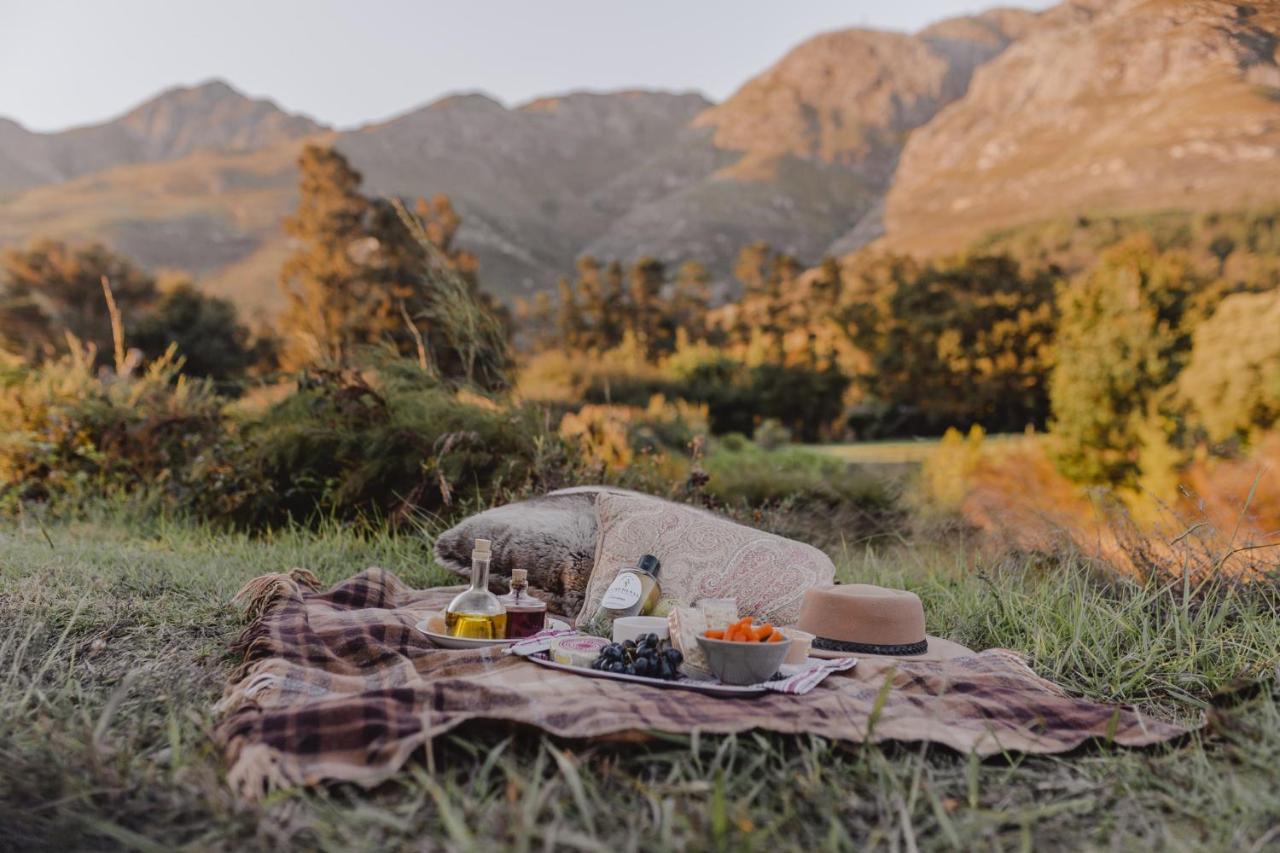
340 685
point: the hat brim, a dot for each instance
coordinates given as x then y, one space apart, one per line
939 650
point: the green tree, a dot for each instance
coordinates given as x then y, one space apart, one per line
1123 337
960 342
615 301
206 331
50 289
1232 381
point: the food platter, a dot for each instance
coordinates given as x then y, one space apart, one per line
445 641
709 688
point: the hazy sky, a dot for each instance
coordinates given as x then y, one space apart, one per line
64 62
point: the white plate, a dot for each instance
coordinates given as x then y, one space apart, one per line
444 641
710 688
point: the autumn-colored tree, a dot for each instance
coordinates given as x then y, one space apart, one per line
51 289
332 303
569 323
648 322
596 325
690 299
751 268
1124 336
372 272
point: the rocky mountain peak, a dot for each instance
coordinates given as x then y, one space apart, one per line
211 115
1134 104
850 97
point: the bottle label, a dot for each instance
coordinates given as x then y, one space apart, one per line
624 592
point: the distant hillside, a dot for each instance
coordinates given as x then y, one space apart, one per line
200 178
926 141
181 121
805 150
1128 106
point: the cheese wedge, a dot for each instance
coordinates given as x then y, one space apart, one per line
720 613
685 624
577 651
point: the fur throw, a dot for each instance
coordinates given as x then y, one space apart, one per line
553 537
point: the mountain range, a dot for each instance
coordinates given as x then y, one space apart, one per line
920 142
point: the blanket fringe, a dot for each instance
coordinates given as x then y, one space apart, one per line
262 594
257 771
249 688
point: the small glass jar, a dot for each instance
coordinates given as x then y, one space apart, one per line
526 615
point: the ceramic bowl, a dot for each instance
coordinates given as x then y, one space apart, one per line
743 663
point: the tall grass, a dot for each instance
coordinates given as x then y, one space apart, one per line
454 311
112 651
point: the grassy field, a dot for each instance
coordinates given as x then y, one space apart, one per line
112 650
905 451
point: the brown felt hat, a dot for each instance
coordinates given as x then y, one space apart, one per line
860 619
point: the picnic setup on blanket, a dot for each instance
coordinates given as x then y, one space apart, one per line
626 615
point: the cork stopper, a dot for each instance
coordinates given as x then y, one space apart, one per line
519 577
481 550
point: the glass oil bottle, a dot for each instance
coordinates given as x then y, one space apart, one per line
477 613
526 615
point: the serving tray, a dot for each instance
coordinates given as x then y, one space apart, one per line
709 688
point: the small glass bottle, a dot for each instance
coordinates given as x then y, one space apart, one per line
635 590
526 615
477 613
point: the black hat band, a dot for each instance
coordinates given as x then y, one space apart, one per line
823 644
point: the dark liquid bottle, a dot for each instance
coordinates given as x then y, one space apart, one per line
526 615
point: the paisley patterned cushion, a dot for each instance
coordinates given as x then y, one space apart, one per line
703 556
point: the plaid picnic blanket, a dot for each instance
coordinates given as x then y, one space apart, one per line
340 685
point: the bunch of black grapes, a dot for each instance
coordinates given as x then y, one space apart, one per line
646 655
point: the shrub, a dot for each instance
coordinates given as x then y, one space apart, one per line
619 376
771 434
807 400
70 434
748 474
600 433
613 438
350 446
667 425
946 475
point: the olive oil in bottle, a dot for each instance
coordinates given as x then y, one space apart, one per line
477 613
